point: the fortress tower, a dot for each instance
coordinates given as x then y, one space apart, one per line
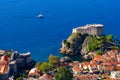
91 29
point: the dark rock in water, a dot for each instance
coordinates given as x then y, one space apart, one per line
24 55
25 61
65 59
30 62
14 56
20 63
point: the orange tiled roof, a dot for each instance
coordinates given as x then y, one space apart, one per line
108 68
77 69
106 64
34 72
86 77
98 57
85 63
114 51
118 55
3 63
105 76
75 64
46 77
117 67
3 69
4 58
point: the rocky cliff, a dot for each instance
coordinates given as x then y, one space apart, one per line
73 44
23 60
87 45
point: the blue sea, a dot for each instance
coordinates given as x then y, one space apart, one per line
21 30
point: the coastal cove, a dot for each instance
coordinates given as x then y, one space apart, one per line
22 31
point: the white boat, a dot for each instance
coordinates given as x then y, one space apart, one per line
40 16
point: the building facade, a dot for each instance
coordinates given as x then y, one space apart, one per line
91 29
115 75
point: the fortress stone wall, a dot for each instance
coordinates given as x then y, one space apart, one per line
91 29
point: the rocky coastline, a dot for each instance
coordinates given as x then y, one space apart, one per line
78 43
15 64
97 52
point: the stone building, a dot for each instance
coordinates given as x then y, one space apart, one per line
115 75
91 29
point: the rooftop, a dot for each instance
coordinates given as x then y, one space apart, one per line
90 25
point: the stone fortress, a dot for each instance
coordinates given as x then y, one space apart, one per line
91 29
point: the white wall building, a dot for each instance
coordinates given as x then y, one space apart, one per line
92 29
115 75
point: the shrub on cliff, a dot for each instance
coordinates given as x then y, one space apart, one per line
100 52
43 67
53 61
63 74
67 44
21 76
97 42
38 65
73 37
109 38
92 47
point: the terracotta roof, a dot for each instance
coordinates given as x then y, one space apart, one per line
118 55
108 68
114 51
110 79
34 72
98 57
77 69
46 77
4 58
75 63
3 63
92 66
87 77
93 62
105 76
85 63
117 67
3 69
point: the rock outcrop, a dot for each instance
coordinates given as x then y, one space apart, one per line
23 60
65 59
85 44
73 44
20 62
87 40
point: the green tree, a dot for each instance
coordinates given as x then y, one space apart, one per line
44 67
100 52
19 78
63 74
67 44
53 61
38 65
109 38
